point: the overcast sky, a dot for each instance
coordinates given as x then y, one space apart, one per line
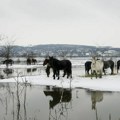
83 22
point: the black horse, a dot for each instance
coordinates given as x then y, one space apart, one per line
28 61
34 61
118 65
47 70
108 64
46 62
31 61
58 96
87 67
8 61
58 65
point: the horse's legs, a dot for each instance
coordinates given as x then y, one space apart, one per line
91 74
48 71
69 73
58 72
117 67
88 72
111 70
104 71
64 73
100 75
96 74
54 73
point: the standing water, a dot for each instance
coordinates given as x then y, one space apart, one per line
26 102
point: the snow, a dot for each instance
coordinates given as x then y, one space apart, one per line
106 83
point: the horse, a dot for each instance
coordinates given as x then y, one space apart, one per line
34 61
46 62
87 67
31 61
28 61
58 65
97 67
118 65
8 61
108 64
47 70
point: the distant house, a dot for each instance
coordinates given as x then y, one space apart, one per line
87 54
75 55
111 53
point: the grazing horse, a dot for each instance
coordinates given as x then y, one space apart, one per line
97 67
58 65
46 62
118 65
87 67
8 61
108 64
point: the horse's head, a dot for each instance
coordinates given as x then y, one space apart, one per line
45 62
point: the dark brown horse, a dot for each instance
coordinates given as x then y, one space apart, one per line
58 65
87 67
28 61
46 62
108 64
31 61
118 65
8 61
58 96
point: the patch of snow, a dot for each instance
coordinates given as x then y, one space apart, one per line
107 83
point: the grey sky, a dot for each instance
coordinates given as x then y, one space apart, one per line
85 22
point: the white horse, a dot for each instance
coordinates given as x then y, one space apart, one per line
97 67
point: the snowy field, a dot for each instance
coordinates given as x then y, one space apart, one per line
106 83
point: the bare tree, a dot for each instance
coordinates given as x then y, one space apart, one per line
7 51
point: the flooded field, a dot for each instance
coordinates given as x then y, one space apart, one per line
21 101
27 102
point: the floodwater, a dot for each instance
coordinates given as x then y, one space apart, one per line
27 102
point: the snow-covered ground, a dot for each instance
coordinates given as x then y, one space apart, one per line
106 83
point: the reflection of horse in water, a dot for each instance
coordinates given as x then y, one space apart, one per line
59 95
8 71
31 70
8 61
31 61
96 96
